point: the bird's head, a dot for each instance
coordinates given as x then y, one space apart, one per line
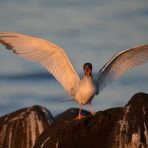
87 69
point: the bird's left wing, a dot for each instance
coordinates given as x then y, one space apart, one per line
120 64
51 56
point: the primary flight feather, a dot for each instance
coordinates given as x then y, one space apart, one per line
54 59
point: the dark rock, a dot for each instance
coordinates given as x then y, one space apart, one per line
35 127
131 129
21 128
113 128
91 131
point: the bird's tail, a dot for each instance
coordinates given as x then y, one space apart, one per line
68 99
63 100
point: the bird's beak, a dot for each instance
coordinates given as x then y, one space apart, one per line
87 71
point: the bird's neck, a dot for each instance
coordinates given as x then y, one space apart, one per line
88 77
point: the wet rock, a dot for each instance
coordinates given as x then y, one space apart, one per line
125 127
21 128
131 129
119 127
91 131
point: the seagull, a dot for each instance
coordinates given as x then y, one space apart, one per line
54 59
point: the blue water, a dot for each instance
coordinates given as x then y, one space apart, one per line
89 31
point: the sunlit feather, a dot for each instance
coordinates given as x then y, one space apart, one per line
120 64
46 53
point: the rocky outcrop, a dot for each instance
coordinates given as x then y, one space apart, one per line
125 127
92 131
35 127
20 129
131 128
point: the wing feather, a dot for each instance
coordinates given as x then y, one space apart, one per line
52 57
120 64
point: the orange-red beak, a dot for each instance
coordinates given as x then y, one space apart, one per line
87 71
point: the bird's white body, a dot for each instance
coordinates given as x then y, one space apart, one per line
86 90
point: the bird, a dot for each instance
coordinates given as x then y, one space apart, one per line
54 59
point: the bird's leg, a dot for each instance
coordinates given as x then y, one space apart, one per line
80 116
90 108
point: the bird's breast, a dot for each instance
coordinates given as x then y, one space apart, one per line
86 91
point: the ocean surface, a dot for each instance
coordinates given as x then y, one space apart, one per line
89 31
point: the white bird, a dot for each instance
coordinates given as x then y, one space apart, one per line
54 59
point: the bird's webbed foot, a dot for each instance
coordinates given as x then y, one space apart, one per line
79 117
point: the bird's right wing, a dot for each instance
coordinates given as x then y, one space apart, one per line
120 64
52 57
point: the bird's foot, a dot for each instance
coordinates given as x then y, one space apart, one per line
93 113
79 117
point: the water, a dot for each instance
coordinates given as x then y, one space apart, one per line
89 31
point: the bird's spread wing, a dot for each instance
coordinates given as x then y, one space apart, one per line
52 57
120 64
